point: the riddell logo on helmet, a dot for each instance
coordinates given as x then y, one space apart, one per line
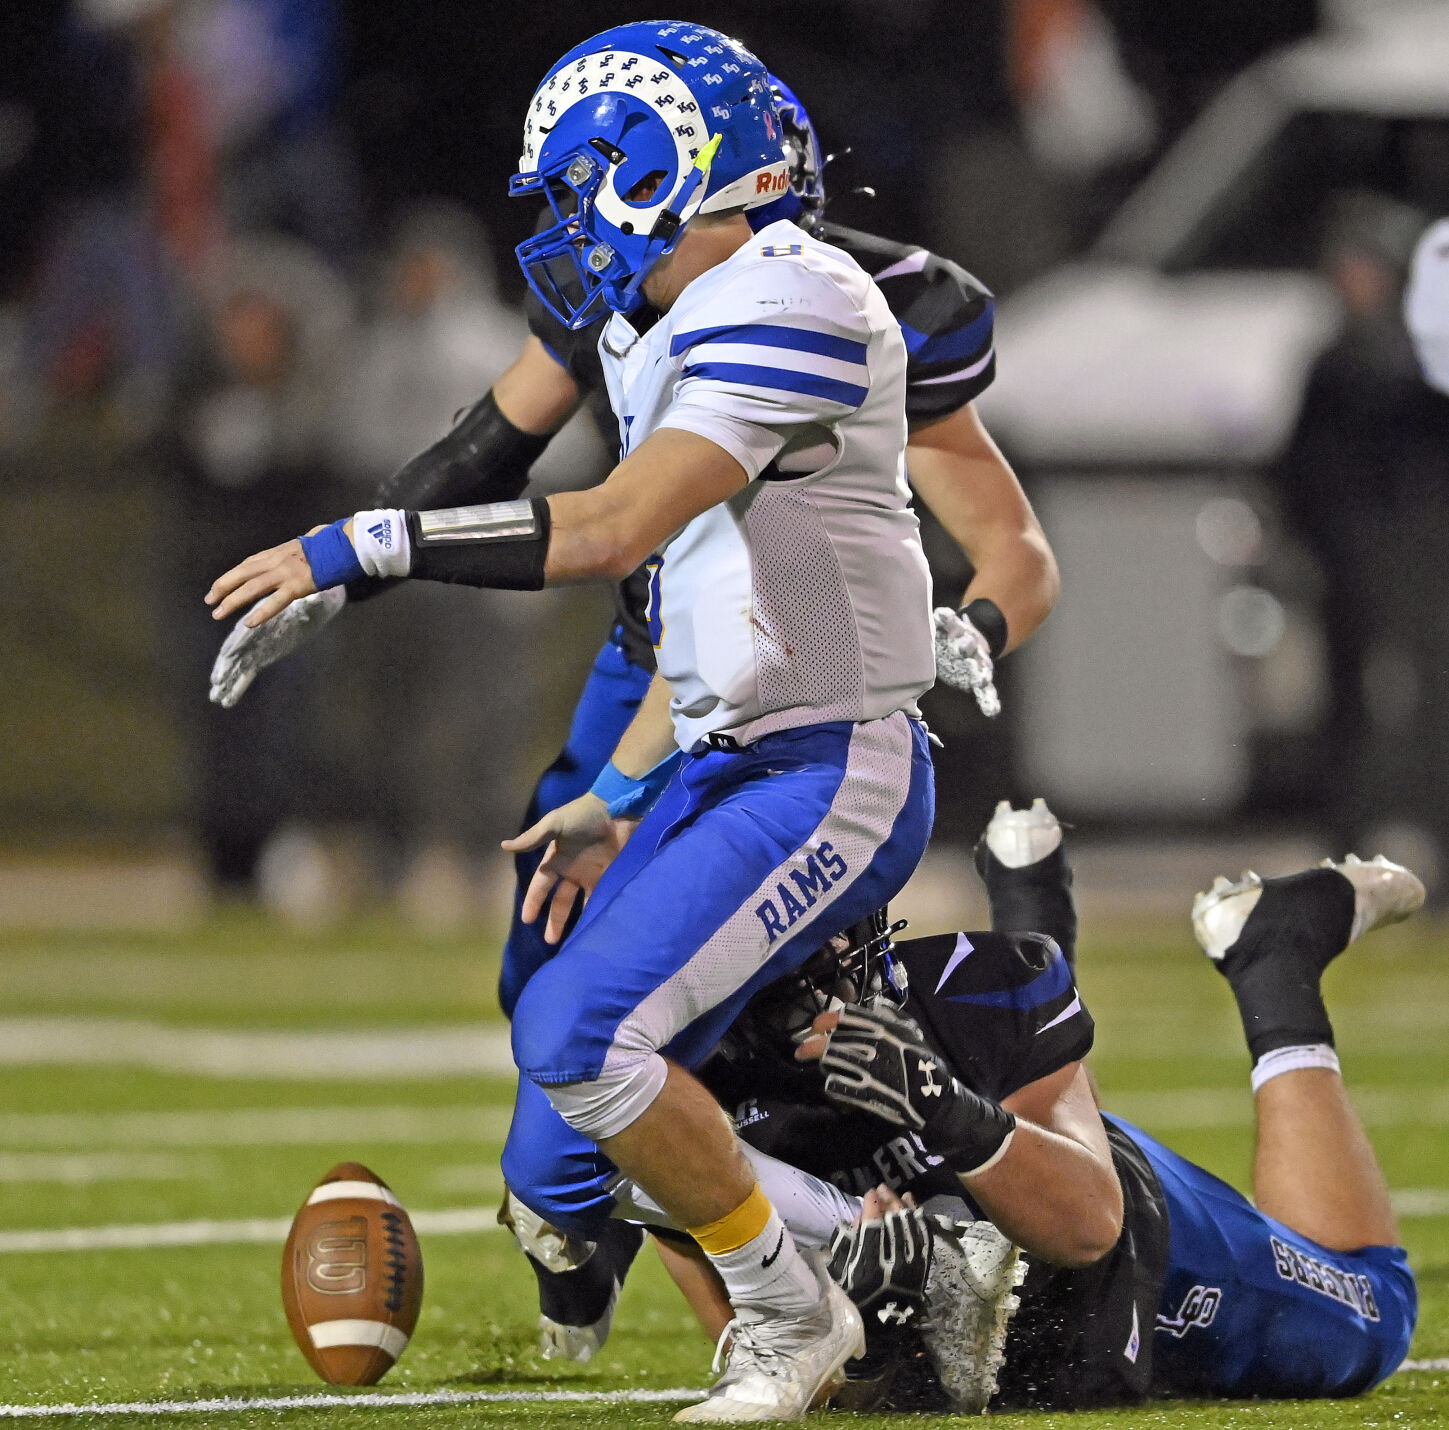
775 183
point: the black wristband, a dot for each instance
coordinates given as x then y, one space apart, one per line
985 615
969 1130
502 545
485 458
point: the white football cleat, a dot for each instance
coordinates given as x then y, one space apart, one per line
559 1253
780 1368
1218 915
554 1249
580 1344
970 1298
1383 892
1018 837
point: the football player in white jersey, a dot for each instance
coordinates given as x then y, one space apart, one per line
763 423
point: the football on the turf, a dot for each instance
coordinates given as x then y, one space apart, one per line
352 1277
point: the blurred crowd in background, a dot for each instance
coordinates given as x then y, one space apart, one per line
255 254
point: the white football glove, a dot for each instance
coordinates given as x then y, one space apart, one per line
963 659
245 653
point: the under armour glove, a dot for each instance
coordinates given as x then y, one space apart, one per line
883 1265
246 652
878 1062
963 659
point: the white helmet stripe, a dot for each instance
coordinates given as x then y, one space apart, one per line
760 186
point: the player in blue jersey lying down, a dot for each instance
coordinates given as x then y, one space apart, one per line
1144 1274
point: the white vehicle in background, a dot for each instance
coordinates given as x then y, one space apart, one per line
1146 386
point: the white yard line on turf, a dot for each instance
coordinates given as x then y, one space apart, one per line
385 1401
403 1399
374 1054
457 1221
82 1169
254 1127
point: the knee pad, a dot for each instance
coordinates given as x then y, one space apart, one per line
614 1100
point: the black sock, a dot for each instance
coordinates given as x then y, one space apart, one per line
1299 925
1036 898
581 1296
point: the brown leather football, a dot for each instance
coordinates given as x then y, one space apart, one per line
352 1277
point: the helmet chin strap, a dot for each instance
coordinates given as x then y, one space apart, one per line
682 206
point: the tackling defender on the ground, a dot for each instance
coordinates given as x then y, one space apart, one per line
1199 1291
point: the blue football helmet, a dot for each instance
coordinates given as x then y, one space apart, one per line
805 203
630 135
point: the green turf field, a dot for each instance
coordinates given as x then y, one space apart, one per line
142 1088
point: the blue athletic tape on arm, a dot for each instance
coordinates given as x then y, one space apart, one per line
628 798
330 555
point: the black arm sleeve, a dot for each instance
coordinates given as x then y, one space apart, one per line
485 458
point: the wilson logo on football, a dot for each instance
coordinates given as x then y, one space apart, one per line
337 1257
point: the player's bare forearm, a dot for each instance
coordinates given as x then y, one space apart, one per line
970 488
1055 1191
536 393
608 530
649 737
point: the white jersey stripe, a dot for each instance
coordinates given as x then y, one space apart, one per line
779 358
770 335
960 375
861 817
911 263
766 379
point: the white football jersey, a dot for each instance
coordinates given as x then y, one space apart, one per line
805 597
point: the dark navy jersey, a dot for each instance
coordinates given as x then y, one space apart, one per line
947 319
1001 1009
1004 1011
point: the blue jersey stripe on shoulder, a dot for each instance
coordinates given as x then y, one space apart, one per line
958 343
1051 982
770 335
811 384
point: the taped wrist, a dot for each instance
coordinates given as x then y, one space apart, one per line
331 556
485 458
968 1132
985 615
627 797
502 545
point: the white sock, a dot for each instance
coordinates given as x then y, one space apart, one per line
769 1274
1283 1060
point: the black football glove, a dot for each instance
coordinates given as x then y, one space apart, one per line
878 1062
883 1265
